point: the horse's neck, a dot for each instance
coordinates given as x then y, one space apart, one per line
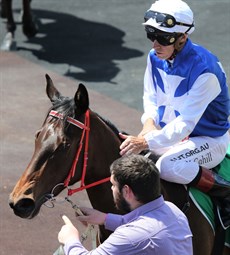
103 150
104 143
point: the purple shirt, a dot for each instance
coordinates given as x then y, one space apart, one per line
154 228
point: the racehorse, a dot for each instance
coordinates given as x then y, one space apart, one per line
77 144
29 26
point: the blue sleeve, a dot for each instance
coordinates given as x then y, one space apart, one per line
113 221
116 243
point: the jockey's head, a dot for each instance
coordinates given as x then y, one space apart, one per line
169 22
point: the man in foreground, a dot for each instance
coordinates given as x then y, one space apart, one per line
150 222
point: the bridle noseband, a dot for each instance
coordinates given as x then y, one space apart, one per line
85 134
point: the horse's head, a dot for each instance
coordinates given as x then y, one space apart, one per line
55 149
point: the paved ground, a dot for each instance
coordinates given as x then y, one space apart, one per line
100 43
103 44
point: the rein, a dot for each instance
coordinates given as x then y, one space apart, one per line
85 134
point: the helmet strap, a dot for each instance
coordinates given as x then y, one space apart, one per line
173 55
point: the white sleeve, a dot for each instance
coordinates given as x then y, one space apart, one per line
149 96
204 90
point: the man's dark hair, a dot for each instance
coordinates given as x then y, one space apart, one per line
140 174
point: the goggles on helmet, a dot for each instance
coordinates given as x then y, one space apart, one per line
163 38
165 20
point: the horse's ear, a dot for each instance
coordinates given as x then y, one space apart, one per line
51 91
81 98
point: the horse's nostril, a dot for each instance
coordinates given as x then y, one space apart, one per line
11 205
23 208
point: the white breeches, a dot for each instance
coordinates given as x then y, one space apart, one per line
180 163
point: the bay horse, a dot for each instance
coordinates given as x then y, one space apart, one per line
29 26
77 144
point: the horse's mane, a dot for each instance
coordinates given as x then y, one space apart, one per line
109 124
67 107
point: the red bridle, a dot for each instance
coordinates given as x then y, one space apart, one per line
85 134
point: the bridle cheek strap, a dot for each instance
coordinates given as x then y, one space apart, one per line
85 134
72 171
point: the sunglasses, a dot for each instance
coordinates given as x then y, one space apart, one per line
163 39
165 20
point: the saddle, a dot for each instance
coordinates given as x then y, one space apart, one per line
204 202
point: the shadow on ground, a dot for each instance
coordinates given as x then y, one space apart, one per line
89 48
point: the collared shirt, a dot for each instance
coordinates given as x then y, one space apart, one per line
154 228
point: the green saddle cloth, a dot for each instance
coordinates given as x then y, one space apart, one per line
203 201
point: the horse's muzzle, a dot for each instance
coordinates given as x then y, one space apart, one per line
24 208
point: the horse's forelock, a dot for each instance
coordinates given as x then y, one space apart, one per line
66 106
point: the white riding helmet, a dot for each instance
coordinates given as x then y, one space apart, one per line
170 16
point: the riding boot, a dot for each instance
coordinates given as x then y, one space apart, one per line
218 189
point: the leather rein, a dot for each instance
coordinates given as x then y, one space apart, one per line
85 135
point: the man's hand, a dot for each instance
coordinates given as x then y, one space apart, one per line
68 231
92 216
132 144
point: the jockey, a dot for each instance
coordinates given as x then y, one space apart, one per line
186 105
